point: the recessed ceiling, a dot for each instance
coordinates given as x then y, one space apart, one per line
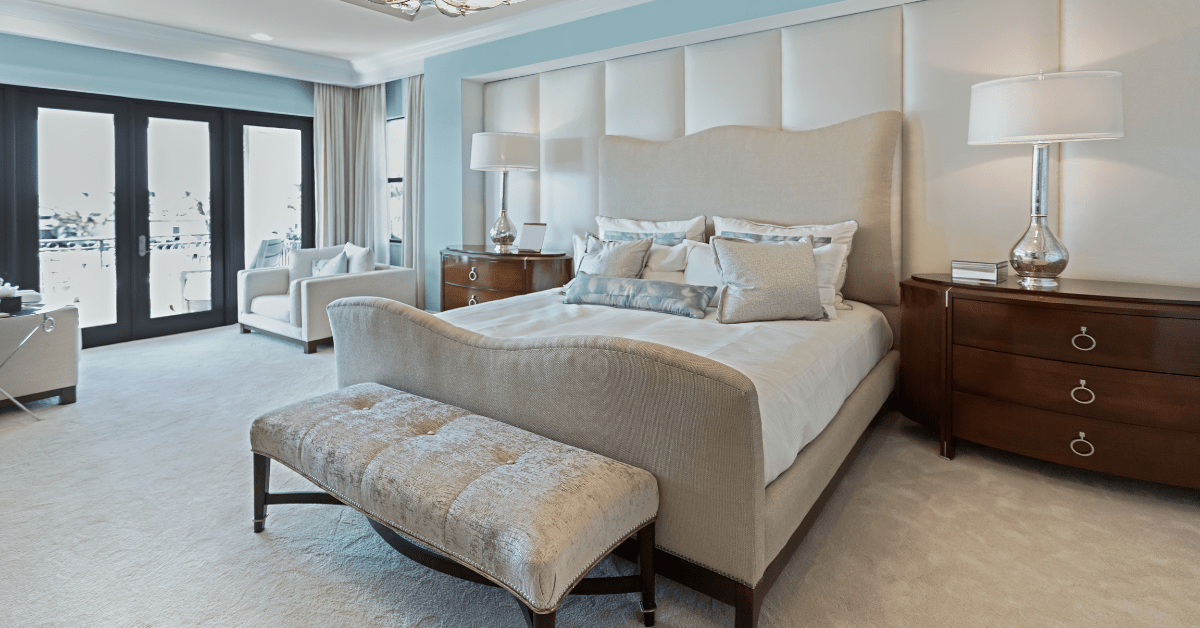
331 37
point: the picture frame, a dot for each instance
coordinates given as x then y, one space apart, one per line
532 236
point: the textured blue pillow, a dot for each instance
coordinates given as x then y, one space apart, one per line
640 294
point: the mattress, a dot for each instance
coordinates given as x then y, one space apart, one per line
802 370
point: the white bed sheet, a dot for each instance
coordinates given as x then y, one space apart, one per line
803 370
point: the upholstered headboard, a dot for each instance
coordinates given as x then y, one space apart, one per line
827 175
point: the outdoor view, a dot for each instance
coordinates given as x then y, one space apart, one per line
76 213
272 184
77 218
180 245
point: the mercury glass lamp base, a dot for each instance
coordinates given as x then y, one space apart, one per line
505 248
1039 282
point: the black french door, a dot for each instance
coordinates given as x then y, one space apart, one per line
138 213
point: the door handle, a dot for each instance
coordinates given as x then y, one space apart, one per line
142 246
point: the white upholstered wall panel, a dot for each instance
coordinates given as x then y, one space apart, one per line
843 68
644 95
512 106
964 201
572 121
734 81
1131 207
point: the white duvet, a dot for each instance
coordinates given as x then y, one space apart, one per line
803 370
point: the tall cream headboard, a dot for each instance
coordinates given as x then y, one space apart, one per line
832 174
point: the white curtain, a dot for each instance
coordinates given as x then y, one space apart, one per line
414 184
351 153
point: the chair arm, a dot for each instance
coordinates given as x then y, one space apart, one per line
259 282
316 293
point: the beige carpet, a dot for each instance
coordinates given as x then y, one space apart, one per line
133 508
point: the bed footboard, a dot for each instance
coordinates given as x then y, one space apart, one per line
692 422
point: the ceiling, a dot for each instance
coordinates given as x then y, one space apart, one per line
329 41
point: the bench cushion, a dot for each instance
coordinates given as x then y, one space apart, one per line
530 514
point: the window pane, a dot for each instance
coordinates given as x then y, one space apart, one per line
180 217
397 139
76 213
272 197
396 209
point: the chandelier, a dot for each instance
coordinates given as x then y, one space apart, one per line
452 8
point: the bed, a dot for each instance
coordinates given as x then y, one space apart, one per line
705 407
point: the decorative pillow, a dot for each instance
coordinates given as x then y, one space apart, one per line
840 233
668 233
702 270
640 294
615 259
335 265
767 282
667 263
358 259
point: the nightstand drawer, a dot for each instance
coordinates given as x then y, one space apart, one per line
458 296
1144 343
1129 450
1124 396
508 276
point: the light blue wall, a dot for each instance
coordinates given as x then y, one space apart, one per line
39 63
444 75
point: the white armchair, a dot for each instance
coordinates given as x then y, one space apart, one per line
290 303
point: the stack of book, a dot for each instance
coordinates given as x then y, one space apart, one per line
992 272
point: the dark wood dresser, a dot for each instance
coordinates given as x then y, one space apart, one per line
1093 374
474 273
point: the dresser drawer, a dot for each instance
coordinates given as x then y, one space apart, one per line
507 276
458 296
1134 451
1144 343
1124 396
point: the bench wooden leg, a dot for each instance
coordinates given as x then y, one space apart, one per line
747 607
533 620
66 396
245 330
262 480
646 569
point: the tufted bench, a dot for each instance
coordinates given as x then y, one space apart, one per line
465 494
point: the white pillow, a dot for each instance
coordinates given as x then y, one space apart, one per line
668 233
667 263
839 233
702 271
333 266
358 259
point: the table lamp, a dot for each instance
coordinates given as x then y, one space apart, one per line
504 153
1039 109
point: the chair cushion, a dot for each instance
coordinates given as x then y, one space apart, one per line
530 514
300 265
276 306
358 259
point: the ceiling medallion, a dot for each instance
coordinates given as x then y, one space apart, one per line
452 8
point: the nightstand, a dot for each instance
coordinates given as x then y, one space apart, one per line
475 273
1093 374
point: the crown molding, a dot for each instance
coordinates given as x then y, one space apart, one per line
28 18
408 61
95 30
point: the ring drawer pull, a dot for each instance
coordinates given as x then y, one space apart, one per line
1082 439
1083 386
1083 334
471 301
472 276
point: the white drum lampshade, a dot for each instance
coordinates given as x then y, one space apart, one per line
1039 109
505 153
